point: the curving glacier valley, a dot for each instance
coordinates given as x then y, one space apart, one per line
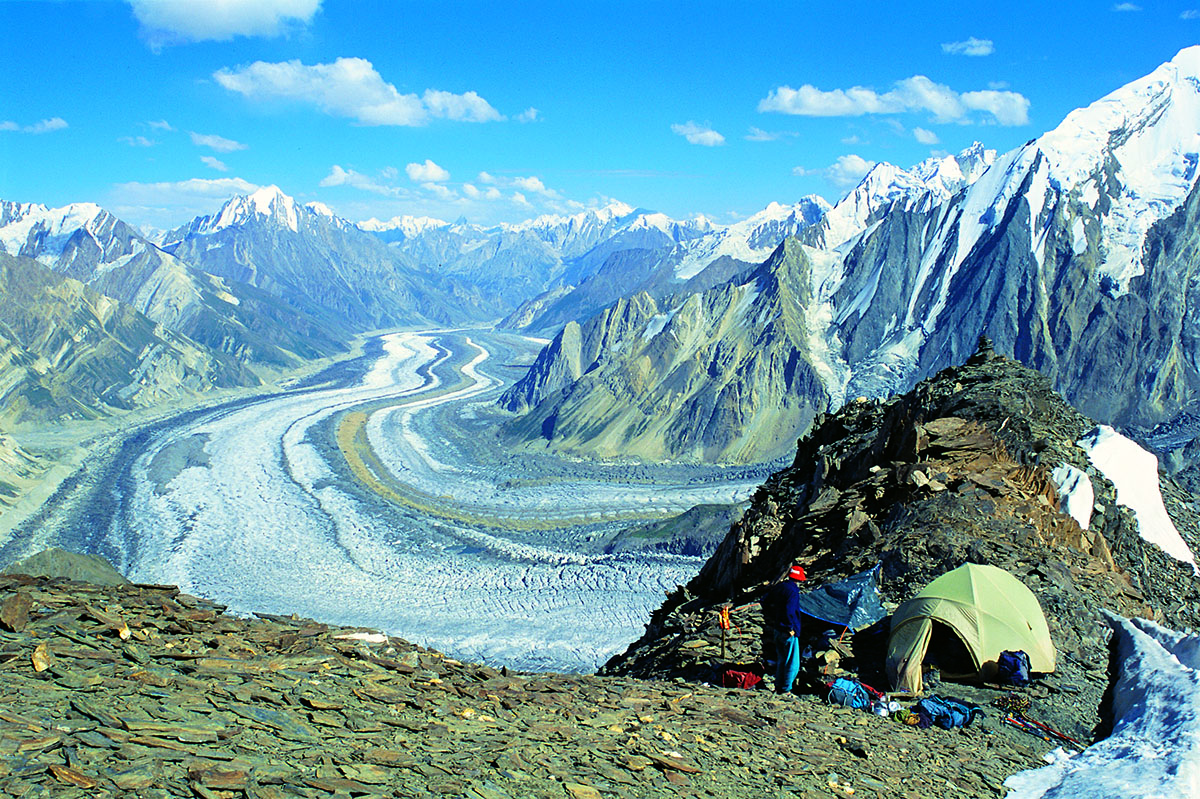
379 494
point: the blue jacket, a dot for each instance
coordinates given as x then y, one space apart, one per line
785 600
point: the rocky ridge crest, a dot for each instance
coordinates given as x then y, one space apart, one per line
957 470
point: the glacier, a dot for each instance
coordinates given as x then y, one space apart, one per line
248 506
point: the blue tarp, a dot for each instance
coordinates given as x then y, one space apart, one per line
853 602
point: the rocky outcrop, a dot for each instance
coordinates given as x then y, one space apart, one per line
958 470
59 563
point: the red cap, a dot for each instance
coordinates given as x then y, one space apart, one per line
797 573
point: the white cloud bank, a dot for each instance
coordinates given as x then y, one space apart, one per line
970 46
167 204
927 137
167 22
699 134
917 93
352 88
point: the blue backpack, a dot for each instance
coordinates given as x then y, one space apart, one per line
945 713
1012 668
848 693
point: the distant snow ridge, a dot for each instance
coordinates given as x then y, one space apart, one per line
929 183
35 231
1140 145
752 239
409 226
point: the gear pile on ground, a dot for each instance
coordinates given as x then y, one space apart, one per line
958 470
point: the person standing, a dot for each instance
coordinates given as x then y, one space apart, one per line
782 611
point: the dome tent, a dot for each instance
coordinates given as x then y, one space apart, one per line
979 610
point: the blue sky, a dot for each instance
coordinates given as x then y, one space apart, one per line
159 110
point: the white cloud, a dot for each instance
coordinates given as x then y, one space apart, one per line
1126 7
467 107
519 198
167 22
847 170
535 186
699 134
917 93
472 192
427 172
970 46
1191 13
137 141
45 126
348 177
350 87
161 124
214 163
484 177
926 137
758 134
1008 108
439 191
214 142
530 114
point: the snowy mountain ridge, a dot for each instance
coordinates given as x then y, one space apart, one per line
1076 253
929 183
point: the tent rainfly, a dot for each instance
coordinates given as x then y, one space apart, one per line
982 610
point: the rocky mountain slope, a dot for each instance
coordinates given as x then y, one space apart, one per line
140 690
722 375
960 469
685 264
69 352
320 265
85 242
1076 254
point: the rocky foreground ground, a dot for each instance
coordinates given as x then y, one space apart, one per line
136 690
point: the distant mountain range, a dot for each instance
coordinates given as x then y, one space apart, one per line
1076 253
272 282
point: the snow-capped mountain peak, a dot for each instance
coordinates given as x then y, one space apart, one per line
268 202
929 183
